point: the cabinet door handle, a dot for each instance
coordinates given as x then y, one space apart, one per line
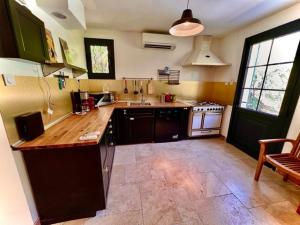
110 126
111 144
131 118
109 120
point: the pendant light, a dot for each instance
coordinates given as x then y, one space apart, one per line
187 25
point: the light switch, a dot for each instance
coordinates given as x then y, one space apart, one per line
9 80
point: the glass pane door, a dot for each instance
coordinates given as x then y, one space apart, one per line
267 74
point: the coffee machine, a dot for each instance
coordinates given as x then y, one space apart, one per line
80 101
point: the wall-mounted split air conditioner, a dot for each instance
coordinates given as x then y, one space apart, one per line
158 41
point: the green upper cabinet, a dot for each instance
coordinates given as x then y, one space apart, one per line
23 34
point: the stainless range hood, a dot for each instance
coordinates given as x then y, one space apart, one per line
202 55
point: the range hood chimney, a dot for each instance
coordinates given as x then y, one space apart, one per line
202 55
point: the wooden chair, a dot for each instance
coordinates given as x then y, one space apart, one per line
286 163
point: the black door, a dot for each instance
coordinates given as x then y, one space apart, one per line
268 88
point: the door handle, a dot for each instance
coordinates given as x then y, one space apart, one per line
131 118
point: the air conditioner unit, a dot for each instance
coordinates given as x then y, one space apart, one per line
158 41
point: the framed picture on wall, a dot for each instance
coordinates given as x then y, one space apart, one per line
51 47
68 56
100 58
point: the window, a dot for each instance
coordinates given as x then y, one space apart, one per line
100 58
267 73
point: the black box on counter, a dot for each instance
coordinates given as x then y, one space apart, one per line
30 125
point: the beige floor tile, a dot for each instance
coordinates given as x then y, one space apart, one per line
186 205
123 198
282 213
224 210
159 208
118 175
153 186
129 218
209 184
254 194
167 216
193 182
137 172
124 156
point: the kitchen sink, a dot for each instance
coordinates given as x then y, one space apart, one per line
139 103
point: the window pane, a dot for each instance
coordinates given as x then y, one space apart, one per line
284 48
99 56
254 77
277 76
250 99
270 102
260 53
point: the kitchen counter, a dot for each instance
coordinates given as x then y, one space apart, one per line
67 132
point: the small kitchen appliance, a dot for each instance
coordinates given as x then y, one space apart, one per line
205 119
103 98
80 101
30 125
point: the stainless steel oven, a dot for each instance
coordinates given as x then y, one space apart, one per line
206 119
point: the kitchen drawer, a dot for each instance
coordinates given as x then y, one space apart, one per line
138 112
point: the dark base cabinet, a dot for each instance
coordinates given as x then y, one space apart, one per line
151 125
184 122
135 126
71 183
171 124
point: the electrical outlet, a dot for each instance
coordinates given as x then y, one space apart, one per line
50 111
9 80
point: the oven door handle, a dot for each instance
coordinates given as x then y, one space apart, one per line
213 113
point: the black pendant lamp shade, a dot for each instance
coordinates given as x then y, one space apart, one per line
187 25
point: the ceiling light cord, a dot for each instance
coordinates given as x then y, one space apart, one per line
187 5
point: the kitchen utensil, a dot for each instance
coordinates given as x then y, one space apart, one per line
125 89
141 89
135 88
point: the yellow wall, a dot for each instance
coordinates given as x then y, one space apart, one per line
188 90
30 94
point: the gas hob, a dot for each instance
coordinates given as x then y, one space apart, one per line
207 106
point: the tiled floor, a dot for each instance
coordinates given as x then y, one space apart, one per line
193 182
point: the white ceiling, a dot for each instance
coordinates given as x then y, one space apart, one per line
218 16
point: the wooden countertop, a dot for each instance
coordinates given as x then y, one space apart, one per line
67 132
